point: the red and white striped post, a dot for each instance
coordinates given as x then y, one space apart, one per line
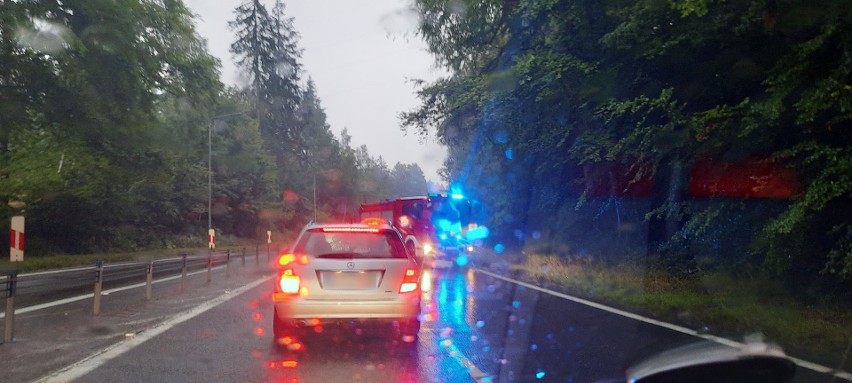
16 239
211 238
268 242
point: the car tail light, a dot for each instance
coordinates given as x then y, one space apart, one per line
286 259
409 282
289 282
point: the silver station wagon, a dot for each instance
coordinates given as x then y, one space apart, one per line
344 273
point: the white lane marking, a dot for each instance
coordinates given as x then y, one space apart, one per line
99 358
474 371
42 306
727 342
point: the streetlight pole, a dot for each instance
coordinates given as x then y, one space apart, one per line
315 197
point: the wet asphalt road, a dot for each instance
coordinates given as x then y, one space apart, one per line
477 328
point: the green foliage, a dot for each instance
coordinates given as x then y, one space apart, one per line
567 87
105 111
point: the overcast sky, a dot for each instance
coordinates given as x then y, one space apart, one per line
359 57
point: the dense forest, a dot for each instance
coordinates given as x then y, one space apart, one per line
105 112
697 134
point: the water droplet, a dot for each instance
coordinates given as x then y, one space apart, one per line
480 324
516 304
474 338
501 137
509 154
499 248
45 36
400 22
486 349
534 347
539 374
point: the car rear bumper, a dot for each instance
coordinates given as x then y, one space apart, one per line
334 309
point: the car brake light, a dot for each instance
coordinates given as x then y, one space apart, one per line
286 259
409 282
289 282
350 230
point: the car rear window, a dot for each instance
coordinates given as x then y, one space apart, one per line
345 244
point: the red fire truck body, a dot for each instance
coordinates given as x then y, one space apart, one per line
433 225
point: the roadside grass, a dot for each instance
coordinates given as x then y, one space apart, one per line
717 302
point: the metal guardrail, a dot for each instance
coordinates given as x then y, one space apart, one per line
77 281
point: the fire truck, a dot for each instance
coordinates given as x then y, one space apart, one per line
442 227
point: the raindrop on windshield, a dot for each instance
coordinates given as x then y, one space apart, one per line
45 36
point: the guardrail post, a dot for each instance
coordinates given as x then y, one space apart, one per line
183 273
257 255
243 256
150 281
99 280
11 287
209 266
228 263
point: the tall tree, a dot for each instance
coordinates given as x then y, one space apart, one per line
407 180
267 49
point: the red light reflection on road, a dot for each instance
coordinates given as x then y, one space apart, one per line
259 331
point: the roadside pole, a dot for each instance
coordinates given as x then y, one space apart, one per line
243 256
183 273
99 279
9 333
209 265
149 279
16 239
228 263
268 243
257 255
